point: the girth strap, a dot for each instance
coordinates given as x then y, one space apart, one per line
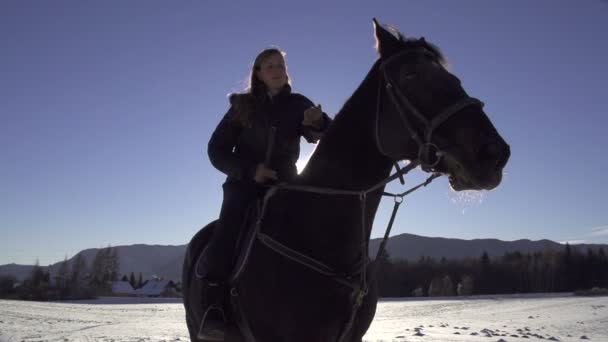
309 262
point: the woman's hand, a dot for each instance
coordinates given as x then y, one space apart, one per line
313 116
264 174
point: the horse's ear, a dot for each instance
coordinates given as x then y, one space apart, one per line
386 42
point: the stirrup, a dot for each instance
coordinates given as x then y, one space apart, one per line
213 325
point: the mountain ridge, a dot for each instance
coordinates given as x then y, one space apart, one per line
166 261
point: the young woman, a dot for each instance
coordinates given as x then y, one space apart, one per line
256 143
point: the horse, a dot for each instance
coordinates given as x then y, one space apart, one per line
306 274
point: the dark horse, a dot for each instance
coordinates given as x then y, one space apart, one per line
307 275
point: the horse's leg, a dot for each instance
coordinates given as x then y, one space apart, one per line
192 286
366 313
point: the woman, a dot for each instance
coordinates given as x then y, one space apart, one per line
256 143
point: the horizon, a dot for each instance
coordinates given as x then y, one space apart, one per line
377 238
106 110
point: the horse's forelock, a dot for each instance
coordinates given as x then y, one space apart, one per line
412 42
422 43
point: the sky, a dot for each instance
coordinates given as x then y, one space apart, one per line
106 109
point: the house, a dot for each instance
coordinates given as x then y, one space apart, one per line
157 288
122 288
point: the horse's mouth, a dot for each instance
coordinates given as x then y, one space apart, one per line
461 178
456 183
459 184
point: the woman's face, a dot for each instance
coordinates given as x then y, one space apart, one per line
273 73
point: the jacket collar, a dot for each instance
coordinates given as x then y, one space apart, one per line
284 92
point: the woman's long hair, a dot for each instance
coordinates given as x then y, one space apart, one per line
246 103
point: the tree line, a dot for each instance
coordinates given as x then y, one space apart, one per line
75 280
567 270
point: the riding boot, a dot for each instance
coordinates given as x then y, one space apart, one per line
213 324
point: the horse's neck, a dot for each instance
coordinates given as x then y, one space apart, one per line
347 157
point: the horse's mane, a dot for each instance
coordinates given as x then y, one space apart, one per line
358 104
413 43
417 43
354 102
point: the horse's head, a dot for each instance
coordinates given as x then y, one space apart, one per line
424 114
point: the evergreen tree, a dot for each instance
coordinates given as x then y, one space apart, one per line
36 285
465 287
447 286
113 264
78 276
132 280
485 276
105 269
602 268
62 279
435 287
98 268
7 285
383 268
566 269
589 268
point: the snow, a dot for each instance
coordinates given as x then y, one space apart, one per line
492 318
560 317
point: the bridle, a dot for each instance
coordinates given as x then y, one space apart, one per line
429 154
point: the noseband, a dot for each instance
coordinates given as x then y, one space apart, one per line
429 154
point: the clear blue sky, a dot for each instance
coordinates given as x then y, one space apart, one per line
106 109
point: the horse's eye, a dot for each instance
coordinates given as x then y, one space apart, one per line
409 75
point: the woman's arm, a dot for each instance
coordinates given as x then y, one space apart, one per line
315 122
221 149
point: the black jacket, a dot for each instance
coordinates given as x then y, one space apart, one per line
236 149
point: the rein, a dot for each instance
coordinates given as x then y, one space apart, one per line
359 287
341 277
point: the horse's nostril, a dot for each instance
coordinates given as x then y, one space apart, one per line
495 152
489 152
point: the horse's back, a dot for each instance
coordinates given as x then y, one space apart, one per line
194 250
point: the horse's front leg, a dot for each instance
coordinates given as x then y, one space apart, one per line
367 311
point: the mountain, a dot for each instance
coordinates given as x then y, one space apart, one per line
149 260
412 247
166 261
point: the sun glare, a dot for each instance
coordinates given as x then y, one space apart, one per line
304 158
467 198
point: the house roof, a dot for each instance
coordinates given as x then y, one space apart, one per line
122 287
154 287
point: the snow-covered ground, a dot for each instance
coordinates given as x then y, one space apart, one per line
491 318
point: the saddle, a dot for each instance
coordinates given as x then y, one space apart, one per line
244 240
232 312
251 232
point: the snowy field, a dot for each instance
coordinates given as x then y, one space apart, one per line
490 318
